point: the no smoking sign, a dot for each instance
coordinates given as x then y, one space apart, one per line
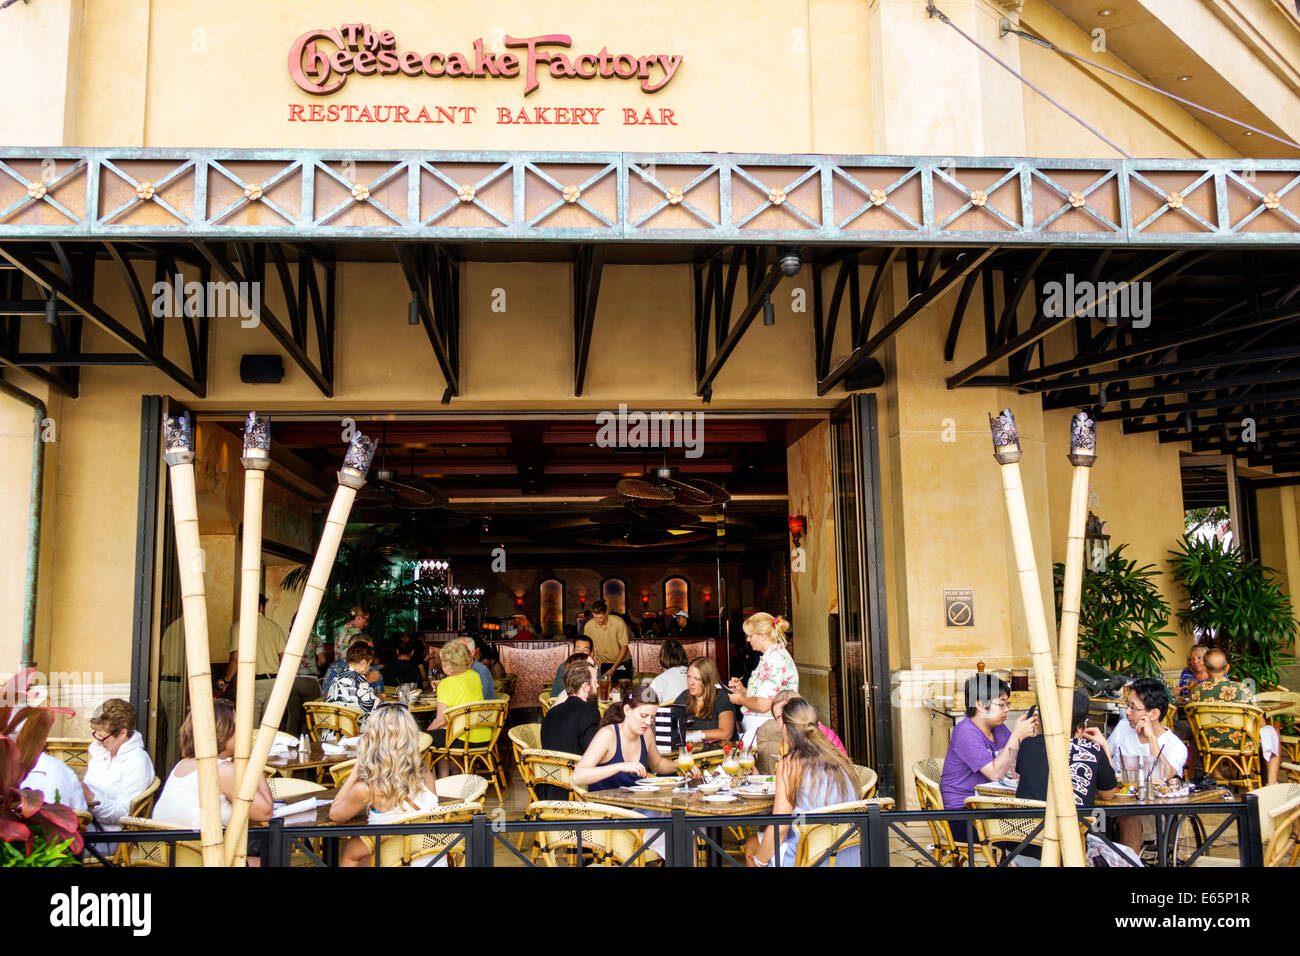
958 607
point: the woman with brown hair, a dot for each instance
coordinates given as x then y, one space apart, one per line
626 729
812 774
709 711
178 804
119 768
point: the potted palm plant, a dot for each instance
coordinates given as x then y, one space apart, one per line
1236 602
1122 616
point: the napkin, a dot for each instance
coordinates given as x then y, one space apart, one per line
305 805
332 748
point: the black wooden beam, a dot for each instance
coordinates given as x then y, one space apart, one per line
418 279
586 292
763 282
967 261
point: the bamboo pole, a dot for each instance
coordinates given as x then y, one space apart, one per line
1083 455
178 432
1006 449
352 476
256 459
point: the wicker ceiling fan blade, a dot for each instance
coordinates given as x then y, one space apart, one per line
716 492
643 490
687 495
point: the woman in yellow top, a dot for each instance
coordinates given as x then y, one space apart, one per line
461 686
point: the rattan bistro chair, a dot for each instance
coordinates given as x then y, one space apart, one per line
607 847
462 788
340 772
816 839
73 751
945 849
1290 742
466 754
1283 849
343 720
404 849
290 789
188 852
551 767
524 737
1227 736
546 700
867 780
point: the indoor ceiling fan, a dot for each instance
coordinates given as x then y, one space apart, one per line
385 488
662 486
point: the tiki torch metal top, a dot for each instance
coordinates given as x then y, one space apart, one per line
178 439
1006 440
357 461
257 442
1083 440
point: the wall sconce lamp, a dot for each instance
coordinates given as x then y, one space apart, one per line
798 527
1096 544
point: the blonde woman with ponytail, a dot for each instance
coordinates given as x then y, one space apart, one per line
390 779
813 774
775 672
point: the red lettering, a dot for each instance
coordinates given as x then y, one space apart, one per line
368 38
561 115
666 116
508 63
317 112
430 60
503 116
457 65
424 116
523 117
352 116
402 111
364 63
629 116
411 63
595 112
536 56
387 63
341 60
540 113
443 111
469 112
309 67
350 34
295 112
387 39
332 114
577 66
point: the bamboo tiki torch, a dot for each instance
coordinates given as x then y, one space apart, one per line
352 476
178 438
1006 449
256 459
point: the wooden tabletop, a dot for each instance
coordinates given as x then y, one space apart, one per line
1213 795
664 800
286 764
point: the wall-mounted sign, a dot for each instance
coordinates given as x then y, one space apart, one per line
321 61
958 607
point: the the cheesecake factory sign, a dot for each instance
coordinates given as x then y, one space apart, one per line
323 61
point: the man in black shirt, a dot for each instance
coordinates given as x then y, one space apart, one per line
1092 774
569 726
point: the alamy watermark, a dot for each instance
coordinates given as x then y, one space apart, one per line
72 689
1109 301
216 300
624 429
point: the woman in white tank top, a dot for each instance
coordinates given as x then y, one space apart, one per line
178 804
390 781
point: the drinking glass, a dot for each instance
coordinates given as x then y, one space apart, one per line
746 761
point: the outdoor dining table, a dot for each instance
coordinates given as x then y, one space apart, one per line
666 799
286 764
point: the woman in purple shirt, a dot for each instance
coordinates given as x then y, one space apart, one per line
982 748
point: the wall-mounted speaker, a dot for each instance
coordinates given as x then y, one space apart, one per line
868 374
261 369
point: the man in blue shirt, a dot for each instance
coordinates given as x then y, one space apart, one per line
484 675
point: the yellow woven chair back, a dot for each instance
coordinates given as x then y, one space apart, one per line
73 751
188 852
292 788
463 718
1283 849
867 780
1227 736
142 804
815 839
546 701
551 767
524 737
462 788
340 772
345 721
1270 798
610 847
405 849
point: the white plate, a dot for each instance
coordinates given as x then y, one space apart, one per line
754 793
719 797
641 788
661 781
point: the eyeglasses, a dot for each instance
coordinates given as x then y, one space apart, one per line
1135 708
997 705
100 736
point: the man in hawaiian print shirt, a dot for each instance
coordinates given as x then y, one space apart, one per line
1218 689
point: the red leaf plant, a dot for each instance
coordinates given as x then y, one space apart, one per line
23 810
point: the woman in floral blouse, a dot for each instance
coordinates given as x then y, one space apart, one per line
775 672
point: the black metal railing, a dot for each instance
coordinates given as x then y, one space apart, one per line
1182 836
